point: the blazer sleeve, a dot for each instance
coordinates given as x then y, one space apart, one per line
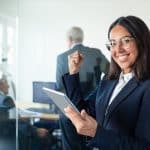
74 92
109 140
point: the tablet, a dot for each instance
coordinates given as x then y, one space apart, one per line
60 99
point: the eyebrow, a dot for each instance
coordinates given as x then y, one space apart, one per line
121 37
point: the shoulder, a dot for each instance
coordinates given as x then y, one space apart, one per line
145 83
8 101
64 54
106 81
144 89
94 53
93 50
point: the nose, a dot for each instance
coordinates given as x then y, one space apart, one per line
119 46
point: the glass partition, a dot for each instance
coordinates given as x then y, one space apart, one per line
8 48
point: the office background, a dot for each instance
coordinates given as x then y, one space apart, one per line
40 30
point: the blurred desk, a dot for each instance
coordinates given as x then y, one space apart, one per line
26 105
23 105
42 116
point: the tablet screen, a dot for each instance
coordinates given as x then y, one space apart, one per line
60 99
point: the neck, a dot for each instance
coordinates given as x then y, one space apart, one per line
74 44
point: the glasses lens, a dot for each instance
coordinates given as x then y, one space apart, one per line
108 46
111 44
127 39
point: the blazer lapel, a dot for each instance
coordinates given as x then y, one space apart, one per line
104 103
131 85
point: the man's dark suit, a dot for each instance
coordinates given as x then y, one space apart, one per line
124 125
94 63
7 127
6 103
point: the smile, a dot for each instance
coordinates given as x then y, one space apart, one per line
123 58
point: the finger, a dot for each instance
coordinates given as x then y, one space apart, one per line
73 118
69 57
75 54
69 109
72 115
81 56
74 59
84 114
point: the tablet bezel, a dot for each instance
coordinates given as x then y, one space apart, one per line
60 99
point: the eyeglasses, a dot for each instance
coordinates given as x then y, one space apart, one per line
125 41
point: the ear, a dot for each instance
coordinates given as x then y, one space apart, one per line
70 42
70 39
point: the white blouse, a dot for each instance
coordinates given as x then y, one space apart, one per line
123 80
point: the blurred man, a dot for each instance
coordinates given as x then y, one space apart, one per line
93 66
4 99
40 136
94 63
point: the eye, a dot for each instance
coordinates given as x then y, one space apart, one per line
126 40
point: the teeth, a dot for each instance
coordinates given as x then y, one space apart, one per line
122 58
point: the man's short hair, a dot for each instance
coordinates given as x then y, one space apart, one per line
75 34
3 79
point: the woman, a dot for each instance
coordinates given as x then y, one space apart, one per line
117 113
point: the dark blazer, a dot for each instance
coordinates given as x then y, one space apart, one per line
125 124
6 102
94 63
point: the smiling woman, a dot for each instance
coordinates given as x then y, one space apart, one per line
42 30
121 102
131 55
123 50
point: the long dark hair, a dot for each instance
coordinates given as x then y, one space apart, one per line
139 30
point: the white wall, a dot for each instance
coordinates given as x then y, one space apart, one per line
9 8
42 30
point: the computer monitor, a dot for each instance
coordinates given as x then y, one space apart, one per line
39 96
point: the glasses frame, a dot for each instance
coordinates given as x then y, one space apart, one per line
123 40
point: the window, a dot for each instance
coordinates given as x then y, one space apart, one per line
0 43
8 37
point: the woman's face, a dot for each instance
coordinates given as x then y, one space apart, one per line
123 48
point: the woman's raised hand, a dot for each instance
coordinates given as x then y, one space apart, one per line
74 62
